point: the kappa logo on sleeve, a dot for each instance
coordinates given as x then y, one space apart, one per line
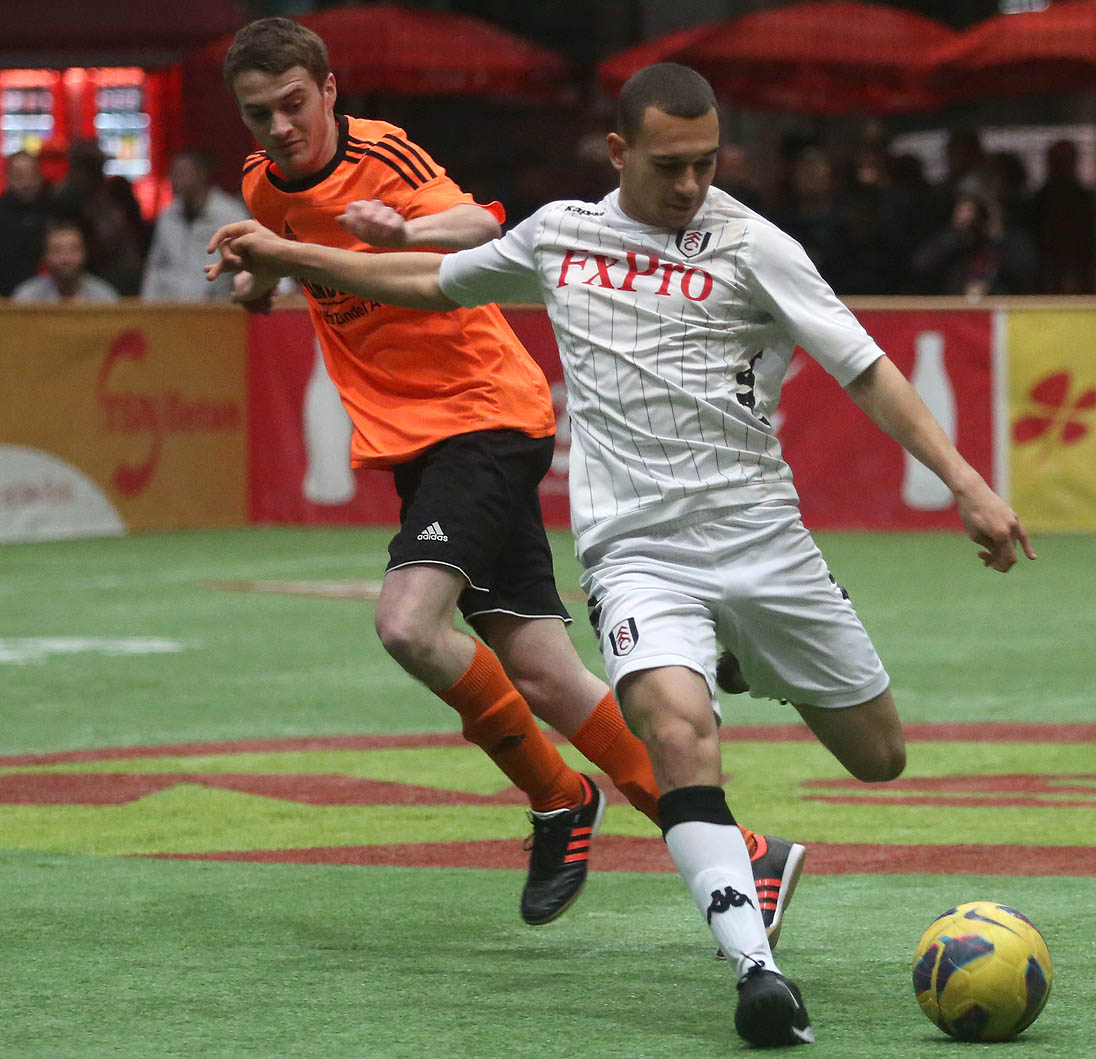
624 637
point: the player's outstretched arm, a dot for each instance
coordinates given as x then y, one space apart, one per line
885 395
409 279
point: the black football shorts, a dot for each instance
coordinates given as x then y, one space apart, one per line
470 502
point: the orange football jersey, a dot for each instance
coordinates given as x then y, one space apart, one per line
407 378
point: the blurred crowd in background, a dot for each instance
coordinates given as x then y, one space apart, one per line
872 216
870 220
85 238
874 224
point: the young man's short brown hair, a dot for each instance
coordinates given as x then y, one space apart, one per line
670 87
274 45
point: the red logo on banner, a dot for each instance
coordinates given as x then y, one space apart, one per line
1059 411
152 414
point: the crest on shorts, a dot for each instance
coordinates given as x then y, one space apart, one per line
624 637
692 243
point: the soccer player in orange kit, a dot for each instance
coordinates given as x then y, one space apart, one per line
455 407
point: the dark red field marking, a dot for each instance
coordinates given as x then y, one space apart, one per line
994 791
997 732
119 788
611 853
288 745
617 853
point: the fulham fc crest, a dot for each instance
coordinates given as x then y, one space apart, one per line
693 243
624 637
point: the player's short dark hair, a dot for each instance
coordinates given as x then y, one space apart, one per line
670 87
274 45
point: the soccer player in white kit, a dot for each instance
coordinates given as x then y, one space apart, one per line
677 310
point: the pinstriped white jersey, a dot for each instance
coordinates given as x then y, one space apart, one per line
674 345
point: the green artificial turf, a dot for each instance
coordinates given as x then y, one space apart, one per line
103 954
106 957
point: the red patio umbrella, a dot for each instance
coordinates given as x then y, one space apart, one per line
384 48
392 49
817 58
1011 55
615 70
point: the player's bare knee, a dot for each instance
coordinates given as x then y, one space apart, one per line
896 761
675 738
888 763
408 642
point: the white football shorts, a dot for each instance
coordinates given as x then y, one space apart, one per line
752 581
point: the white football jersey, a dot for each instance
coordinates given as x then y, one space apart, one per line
674 345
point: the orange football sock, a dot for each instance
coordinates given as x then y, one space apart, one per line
605 740
496 718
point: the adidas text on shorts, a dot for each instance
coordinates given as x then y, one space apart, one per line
470 503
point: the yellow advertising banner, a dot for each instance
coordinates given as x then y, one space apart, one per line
1052 417
121 418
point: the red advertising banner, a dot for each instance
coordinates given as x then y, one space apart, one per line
532 326
300 435
852 476
848 473
299 452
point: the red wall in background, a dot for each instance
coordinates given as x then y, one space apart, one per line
848 474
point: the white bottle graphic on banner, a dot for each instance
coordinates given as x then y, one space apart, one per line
327 429
921 489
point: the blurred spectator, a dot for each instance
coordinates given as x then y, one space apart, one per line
816 218
182 233
65 277
23 216
977 254
107 211
968 165
867 259
531 185
734 175
123 237
1064 224
779 191
1008 184
594 175
912 206
886 201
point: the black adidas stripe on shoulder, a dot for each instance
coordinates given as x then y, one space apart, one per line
355 152
401 161
411 149
402 174
254 160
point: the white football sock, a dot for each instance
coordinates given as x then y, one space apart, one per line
715 864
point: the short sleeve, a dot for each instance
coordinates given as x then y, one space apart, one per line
785 283
503 270
419 186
